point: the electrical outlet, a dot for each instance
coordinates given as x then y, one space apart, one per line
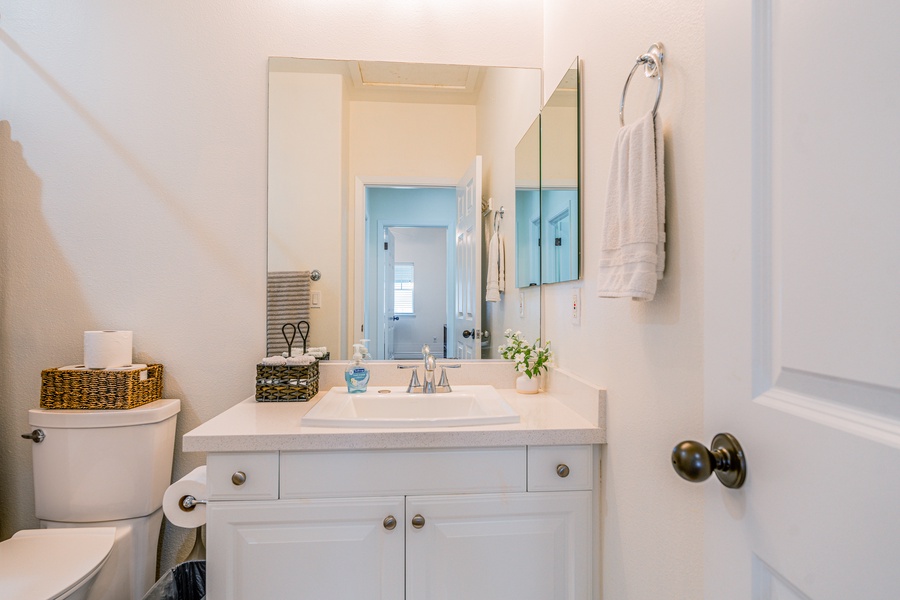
576 306
522 304
315 299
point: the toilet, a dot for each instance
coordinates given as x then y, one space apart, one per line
99 479
53 563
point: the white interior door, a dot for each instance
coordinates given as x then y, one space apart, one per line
386 315
467 320
802 289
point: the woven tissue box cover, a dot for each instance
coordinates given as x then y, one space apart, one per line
287 383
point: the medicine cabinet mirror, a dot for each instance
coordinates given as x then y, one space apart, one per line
548 159
560 178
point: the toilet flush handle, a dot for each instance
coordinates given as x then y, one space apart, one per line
37 436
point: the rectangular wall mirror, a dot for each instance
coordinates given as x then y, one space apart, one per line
379 179
560 182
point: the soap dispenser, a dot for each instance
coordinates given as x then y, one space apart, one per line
357 373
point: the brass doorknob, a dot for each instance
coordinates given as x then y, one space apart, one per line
418 521
694 462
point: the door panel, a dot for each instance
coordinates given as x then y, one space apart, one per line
387 314
468 263
308 546
802 334
534 546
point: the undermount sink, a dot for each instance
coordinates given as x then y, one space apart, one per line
394 407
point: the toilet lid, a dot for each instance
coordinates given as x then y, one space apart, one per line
45 563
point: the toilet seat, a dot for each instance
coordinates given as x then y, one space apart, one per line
45 564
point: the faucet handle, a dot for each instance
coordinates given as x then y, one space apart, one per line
444 383
414 380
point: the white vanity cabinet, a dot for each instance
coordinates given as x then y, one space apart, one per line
421 524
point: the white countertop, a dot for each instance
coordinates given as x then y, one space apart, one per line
252 426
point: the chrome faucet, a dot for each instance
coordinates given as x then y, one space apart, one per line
428 386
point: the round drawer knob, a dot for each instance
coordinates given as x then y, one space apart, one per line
390 522
418 521
239 478
562 470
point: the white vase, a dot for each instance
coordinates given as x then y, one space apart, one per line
526 384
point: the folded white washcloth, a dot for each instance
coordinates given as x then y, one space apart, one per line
300 360
322 349
632 239
274 360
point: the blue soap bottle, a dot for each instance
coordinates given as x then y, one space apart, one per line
357 372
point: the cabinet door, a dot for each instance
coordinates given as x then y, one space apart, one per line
528 546
323 549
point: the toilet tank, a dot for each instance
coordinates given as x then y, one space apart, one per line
102 465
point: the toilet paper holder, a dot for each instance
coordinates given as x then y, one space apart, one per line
187 503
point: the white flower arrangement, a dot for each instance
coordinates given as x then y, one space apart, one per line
529 358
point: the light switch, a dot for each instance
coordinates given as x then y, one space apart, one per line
315 299
576 306
522 304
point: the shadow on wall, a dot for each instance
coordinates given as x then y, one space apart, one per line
35 283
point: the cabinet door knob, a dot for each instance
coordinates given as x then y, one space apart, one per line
390 522
562 470
418 521
239 478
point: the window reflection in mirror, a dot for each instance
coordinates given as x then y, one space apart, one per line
560 161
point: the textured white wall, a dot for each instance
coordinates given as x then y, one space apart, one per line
133 181
501 124
305 190
647 355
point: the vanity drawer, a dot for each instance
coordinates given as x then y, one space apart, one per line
340 473
260 475
558 468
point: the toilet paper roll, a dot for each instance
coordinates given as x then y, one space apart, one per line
107 349
192 484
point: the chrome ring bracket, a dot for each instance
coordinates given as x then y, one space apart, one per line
652 62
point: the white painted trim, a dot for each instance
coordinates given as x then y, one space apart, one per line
849 420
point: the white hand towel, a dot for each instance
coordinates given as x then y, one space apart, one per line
496 268
274 360
300 360
632 239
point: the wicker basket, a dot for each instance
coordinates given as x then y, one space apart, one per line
100 389
287 383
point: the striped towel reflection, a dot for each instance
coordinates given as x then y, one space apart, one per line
287 301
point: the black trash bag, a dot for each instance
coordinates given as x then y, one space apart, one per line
186 581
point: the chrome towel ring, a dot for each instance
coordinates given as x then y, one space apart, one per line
652 62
